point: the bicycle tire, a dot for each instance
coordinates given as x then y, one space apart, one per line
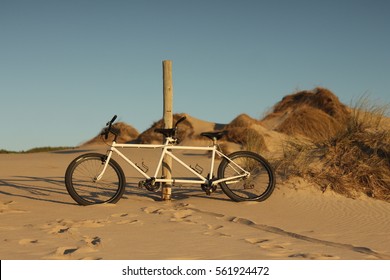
257 187
81 184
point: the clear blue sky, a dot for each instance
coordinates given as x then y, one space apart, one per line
67 66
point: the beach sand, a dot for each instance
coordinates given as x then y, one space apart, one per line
40 221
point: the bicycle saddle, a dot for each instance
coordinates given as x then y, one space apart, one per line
167 132
214 135
170 132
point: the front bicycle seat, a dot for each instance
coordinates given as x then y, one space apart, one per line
214 135
167 132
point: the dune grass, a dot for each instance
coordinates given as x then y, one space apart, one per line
354 161
316 114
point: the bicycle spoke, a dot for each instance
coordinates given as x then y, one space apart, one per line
85 189
258 185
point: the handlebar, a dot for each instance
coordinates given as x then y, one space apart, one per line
109 129
180 120
112 120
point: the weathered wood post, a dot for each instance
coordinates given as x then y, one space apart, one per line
168 123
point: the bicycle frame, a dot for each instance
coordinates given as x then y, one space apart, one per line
167 150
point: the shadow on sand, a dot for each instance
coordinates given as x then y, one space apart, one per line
53 190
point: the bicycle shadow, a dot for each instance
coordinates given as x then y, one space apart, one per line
52 190
178 193
46 189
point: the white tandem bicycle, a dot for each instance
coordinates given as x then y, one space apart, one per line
95 178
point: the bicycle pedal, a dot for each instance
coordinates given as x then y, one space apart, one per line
141 184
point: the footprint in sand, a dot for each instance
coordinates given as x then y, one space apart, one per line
59 230
272 245
28 241
82 246
256 241
214 231
182 215
87 245
119 215
65 251
278 248
179 213
55 228
90 223
309 256
6 208
128 222
64 224
92 241
153 210
216 227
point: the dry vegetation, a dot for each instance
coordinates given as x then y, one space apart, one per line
310 122
353 161
316 114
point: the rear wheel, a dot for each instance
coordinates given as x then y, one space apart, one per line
81 183
258 186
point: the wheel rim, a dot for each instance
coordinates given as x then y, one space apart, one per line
88 189
252 187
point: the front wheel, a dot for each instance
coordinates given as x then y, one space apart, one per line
257 186
81 183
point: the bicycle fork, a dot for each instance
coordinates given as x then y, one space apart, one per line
105 163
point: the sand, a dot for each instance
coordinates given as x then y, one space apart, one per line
40 221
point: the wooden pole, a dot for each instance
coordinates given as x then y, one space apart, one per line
168 123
